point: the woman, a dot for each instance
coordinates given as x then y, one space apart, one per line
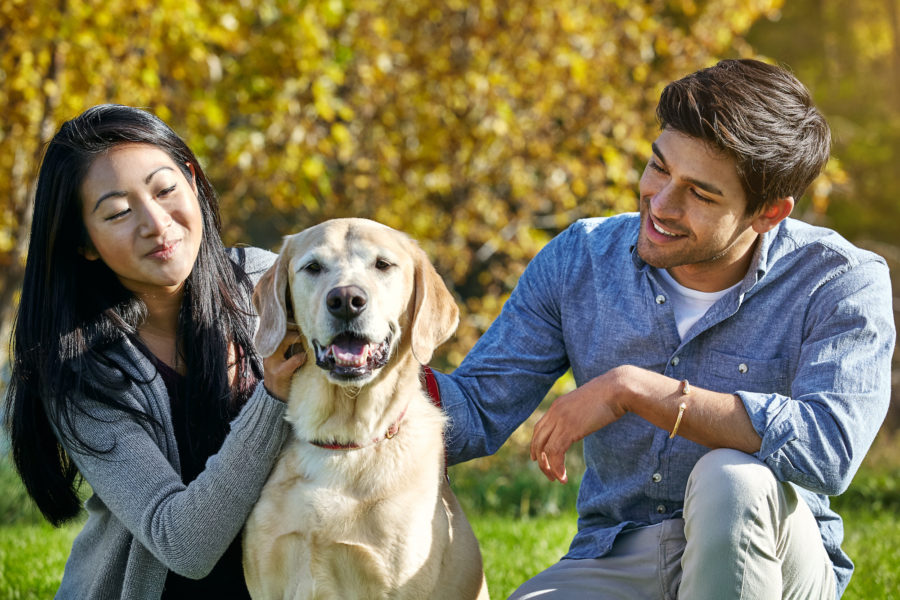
134 366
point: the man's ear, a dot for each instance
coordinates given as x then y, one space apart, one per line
773 214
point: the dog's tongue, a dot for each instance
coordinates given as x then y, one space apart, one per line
350 351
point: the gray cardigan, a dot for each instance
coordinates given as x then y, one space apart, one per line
142 520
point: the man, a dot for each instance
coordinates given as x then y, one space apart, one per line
733 365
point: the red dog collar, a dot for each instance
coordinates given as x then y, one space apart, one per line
391 432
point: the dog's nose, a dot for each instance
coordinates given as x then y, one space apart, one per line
346 302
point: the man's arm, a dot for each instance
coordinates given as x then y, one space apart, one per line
712 419
815 438
511 368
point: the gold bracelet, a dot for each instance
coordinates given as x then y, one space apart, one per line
685 390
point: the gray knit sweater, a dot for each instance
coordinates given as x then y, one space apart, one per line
142 520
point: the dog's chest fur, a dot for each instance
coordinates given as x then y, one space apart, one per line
358 505
359 517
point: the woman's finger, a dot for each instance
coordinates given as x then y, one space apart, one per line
287 346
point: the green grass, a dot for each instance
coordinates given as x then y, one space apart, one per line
32 557
515 549
523 522
872 539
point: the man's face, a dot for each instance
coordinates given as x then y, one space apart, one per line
693 218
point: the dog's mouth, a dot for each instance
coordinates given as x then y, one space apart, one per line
350 356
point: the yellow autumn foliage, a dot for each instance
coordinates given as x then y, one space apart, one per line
480 127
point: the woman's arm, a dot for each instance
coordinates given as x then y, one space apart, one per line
187 527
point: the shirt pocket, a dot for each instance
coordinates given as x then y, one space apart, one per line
734 372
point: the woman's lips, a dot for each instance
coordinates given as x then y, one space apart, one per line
164 251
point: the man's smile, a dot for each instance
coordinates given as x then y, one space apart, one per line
655 227
661 230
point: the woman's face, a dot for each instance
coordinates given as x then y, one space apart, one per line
142 217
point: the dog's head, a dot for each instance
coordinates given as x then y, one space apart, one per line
357 290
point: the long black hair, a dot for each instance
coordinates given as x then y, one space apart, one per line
73 311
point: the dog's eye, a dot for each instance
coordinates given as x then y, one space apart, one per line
313 268
382 265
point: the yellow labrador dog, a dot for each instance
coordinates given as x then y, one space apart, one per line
358 505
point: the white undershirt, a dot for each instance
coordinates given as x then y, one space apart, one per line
687 304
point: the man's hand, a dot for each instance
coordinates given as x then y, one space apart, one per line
712 419
572 417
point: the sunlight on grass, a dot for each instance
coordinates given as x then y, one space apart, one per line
872 539
32 558
515 549
518 538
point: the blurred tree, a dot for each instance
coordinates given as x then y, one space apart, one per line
481 127
848 53
58 58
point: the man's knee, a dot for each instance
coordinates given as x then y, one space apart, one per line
745 523
727 477
728 490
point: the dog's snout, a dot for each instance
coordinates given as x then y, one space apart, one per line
346 302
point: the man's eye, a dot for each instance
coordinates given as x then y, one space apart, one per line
701 197
653 165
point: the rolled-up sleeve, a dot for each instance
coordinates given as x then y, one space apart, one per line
818 436
514 364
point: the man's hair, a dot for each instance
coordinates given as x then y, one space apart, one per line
762 116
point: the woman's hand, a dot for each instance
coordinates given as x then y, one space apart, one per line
570 418
278 369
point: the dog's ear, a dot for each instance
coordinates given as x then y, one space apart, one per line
272 305
435 314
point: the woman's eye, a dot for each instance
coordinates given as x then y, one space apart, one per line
167 191
118 215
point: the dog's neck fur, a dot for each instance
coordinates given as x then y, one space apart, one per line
320 410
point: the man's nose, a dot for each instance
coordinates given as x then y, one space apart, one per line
666 202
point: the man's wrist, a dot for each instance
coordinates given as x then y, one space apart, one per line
624 388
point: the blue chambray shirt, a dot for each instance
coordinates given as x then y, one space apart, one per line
805 341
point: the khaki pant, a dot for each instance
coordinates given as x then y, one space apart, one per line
744 535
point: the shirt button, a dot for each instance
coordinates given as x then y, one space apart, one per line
660 299
743 368
675 361
656 478
660 509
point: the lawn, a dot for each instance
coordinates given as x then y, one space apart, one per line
32 556
523 523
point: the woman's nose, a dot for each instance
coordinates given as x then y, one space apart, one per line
155 218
